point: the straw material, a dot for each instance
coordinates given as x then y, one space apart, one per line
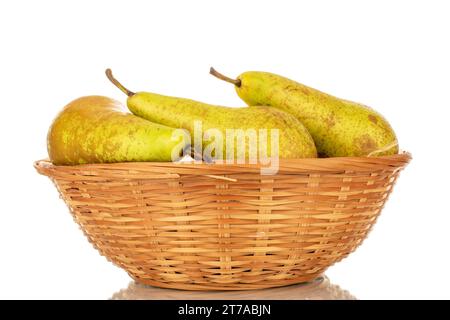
319 289
226 227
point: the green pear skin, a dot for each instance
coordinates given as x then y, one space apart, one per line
97 129
294 140
339 127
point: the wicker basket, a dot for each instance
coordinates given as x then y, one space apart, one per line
226 227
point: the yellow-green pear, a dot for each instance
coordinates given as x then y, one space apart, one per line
213 121
339 127
97 129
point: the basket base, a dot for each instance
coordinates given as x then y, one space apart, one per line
319 289
228 287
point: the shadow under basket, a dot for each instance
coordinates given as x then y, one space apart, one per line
226 227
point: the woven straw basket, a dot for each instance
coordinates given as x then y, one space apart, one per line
227 227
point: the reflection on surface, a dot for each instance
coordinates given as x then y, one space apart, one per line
319 289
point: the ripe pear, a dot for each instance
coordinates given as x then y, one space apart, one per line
294 140
96 129
339 127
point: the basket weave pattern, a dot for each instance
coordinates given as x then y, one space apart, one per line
226 227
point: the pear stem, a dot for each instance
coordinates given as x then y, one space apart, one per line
215 73
111 78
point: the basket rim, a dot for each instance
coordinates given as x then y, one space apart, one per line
286 166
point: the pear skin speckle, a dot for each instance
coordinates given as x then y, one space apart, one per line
294 140
97 129
339 127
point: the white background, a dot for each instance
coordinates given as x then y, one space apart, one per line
391 55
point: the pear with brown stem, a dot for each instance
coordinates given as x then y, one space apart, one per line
339 127
294 140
